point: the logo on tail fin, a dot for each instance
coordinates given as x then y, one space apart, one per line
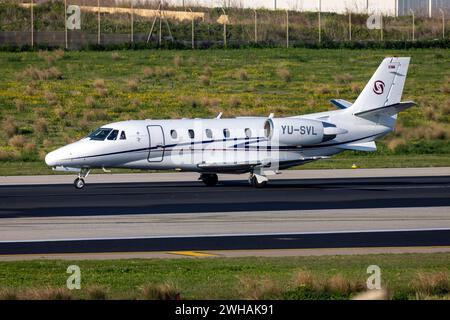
378 87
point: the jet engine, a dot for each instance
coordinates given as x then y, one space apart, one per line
299 132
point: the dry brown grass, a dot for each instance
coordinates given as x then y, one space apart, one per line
133 84
95 115
51 97
304 279
190 101
40 126
46 294
177 61
17 141
253 288
99 84
205 80
343 78
284 74
437 283
207 71
355 88
20 105
242 74
429 113
115 56
89 102
161 291
338 284
396 144
30 147
235 102
148 72
97 293
323 89
8 294
41 74
9 127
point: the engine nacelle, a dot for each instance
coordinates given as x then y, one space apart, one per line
298 132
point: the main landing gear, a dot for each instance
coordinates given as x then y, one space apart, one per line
209 179
257 181
79 182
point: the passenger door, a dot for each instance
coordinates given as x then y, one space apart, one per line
157 143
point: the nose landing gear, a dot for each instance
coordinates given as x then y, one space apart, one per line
79 182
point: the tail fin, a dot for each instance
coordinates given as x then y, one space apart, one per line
385 87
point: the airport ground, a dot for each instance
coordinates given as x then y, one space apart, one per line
137 234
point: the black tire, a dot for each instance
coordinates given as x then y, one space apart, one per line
79 183
257 184
210 180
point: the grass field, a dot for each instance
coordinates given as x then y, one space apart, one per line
406 276
51 98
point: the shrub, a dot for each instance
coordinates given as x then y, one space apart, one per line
204 80
40 126
99 84
235 102
148 72
51 97
242 74
89 102
20 105
437 283
396 144
97 293
17 141
46 294
9 127
163 291
355 88
207 71
257 289
343 78
132 84
30 148
284 74
115 56
177 61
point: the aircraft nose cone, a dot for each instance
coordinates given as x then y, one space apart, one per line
51 159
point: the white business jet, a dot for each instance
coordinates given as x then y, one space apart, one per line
260 146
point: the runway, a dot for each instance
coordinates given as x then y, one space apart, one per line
408 211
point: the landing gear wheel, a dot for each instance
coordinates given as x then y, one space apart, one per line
209 179
79 183
256 184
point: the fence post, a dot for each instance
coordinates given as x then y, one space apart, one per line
443 23
32 23
350 26
65 23
192 29
132 20
381 25
256 27
320 25
287 29
413 24
98 21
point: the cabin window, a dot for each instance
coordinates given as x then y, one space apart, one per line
173 134
113 135
100 134
248 132
191 133
208 133
226 133
123 136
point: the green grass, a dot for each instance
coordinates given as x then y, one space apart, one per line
344 161
53 111
223 278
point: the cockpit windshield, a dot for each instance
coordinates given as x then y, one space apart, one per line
100 134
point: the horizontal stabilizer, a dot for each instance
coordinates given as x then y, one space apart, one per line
359 146
386 110
340 103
